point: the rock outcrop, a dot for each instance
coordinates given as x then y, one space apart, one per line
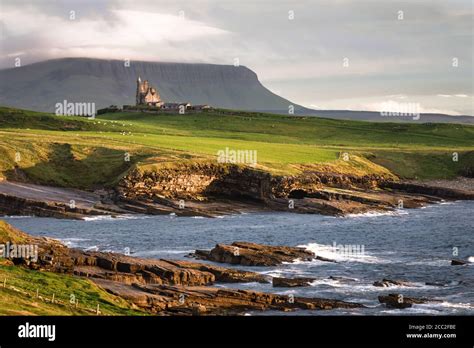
399 301
279 282
200 184
205 300
252 254
457 262
202 188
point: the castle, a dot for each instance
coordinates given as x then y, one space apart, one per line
147 95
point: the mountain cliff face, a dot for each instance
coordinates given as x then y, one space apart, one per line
41 85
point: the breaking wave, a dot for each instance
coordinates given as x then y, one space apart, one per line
330 252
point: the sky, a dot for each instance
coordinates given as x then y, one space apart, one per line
323 54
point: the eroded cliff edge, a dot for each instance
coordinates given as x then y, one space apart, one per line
209 189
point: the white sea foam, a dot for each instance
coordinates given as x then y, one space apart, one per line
329 252
470 259
398 212
351 287
97 218
72 242
115 218
17 216
430 262
456 305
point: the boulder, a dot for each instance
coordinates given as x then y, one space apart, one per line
401 302
385 283
291 282
457 262
252 254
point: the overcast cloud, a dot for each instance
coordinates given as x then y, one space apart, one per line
299 57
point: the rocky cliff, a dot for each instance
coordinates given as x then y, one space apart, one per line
207 189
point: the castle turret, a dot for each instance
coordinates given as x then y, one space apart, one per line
138 99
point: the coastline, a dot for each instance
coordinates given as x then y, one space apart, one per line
240 191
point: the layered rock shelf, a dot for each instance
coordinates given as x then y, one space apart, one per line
209 190
175 287
252 254
182 287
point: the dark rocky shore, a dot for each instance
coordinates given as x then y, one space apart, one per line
188 287
172 287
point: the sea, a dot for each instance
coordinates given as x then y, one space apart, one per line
414 245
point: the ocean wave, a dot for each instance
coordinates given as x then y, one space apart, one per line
116 218
16 216
329 252
72 242
398 212
351 287
97 218
429 262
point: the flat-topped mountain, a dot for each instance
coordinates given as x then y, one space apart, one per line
41 85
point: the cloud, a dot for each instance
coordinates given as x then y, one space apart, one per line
125 34
300 58
453 95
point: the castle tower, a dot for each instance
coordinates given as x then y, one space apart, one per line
138 98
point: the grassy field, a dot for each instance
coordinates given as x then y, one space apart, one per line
19 295
77 152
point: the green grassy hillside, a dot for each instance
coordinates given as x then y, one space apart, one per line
29 292
19 295
77 152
